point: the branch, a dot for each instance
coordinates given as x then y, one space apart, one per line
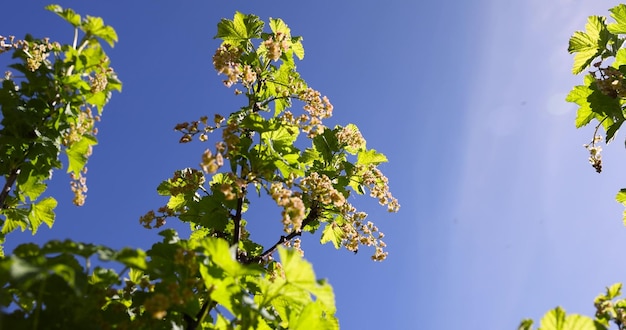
7 187
313 214
192 324
237 220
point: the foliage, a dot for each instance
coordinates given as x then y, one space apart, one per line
601 99
217 278
51 105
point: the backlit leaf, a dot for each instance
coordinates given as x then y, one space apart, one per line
619 14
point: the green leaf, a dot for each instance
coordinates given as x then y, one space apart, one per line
587 45
176 202
614 290
553 320
621 196
96 27
620 58
135 258
297 48
299 272
42 212
313 317
33 187
370 157
526 324
619 14
332 233
241 29
224 256
579 95
67 14
278 25
15 218
557 320
77 153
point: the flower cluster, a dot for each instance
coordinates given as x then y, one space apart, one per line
211 162
595 156
351 137
321 189
189 130
293 208
159 220
78 184
226 61
378 185
610 81
317 108
276 45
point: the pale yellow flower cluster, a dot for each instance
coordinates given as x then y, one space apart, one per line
595 156
321 189
317 108
610 81
276 45
293 208
78 185
377 182
357 233
211 162
226 61
351 137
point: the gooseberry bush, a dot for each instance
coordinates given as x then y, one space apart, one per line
601 100
275 146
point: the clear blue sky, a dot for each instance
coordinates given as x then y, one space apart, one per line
502 217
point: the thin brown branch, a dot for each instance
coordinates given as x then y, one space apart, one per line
313 214
7 187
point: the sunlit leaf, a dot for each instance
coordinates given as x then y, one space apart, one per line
332 233
619 14
67 14
370 157
77 153
42 212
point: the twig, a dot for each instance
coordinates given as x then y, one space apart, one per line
7 187
313 214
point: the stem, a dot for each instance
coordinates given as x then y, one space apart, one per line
207 305
237 219
7 187
313 214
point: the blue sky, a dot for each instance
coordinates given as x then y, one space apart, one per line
502 217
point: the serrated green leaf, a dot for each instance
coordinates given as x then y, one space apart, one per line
33 187
313 317
175 202
135 258
620 58
240 29
553 320
332 233
67 14
614 290
370 157
579 95
556 319
96 27
42 212
15 218
278 25
77 153
587 45
297 48
526 324
224 256
619 15
621 196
